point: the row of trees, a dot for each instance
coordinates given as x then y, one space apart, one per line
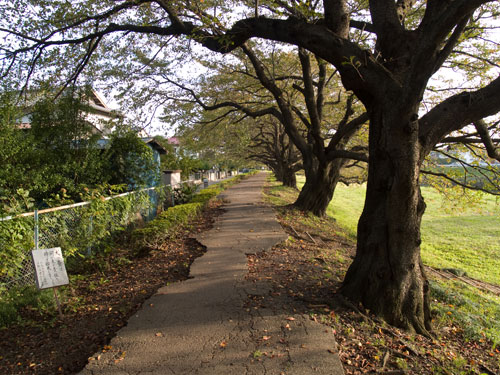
294 125
386 53
191 156
58 155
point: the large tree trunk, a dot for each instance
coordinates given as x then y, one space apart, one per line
387 276
278 173
289 178
285 175
321 181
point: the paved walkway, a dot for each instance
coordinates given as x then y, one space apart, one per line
201 325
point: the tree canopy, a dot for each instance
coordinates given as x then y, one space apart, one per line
58 154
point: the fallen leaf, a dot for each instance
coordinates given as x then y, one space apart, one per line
223 344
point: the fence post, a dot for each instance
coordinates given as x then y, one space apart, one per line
89 247
36 229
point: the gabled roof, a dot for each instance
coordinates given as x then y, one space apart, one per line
96 106
155 145
96 102
103 143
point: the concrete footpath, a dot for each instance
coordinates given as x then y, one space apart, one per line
203 325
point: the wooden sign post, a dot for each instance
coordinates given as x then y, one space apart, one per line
50 271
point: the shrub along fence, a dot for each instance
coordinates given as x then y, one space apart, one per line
88 228
80 230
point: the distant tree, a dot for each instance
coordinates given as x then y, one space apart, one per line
64 145
293 87
217 142
272 147
179 160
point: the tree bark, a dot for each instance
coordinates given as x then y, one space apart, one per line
387 276
278 173
321 181
289 178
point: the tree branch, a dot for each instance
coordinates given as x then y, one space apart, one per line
482 129
471 187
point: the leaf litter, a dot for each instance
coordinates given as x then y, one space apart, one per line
306 272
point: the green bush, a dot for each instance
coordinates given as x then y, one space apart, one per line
172 220
24 298
165 226
184 193
205 195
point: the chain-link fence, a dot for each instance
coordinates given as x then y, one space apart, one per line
78 229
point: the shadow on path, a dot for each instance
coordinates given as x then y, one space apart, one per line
205 325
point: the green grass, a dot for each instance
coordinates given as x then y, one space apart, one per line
346 207
476 311
466 238
455 234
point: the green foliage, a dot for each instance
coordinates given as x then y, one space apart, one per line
479 173
63 152
16 240
95 226
16 235
78 231
24 298
181 160
184 193
59 156
130 161
206 194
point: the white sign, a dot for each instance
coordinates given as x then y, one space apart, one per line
50 270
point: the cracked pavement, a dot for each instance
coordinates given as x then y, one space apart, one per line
205 325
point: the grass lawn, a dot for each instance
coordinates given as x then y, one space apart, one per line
452 236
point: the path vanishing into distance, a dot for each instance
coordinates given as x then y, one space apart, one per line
204 326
